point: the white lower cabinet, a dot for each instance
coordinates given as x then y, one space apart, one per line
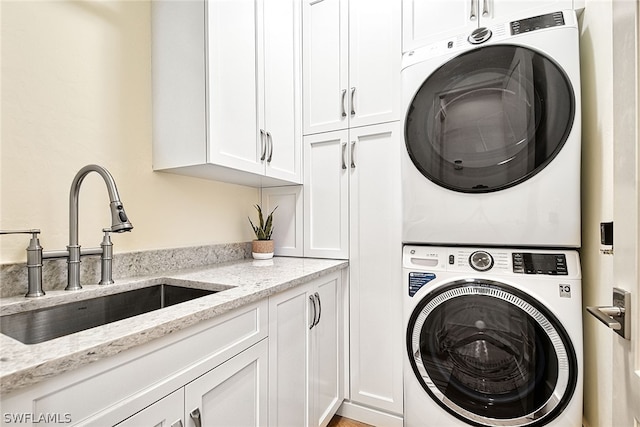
306 353
218 366
222 372
231 395
166 412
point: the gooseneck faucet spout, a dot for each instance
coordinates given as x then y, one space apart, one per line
119 220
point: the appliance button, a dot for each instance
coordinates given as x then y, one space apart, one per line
481 261
479 35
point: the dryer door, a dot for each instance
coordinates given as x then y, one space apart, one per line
491 355
489 119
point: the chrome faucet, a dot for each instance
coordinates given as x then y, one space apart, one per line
119 220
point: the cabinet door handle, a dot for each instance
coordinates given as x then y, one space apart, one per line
474 7
195 416
353 157
177 424
353 107
263 146
315 312
485 8
319 307
344 110
270 147
344 153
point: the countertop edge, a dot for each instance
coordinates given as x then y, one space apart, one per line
25 374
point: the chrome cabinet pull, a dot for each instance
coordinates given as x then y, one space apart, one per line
315 313
474 6
263 146
177 424
317 296
344 110
312 2
353 108
270 146
195 416
353 160
485 8
344 152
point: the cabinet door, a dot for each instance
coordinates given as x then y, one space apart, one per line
282 89
326 62
428 21
232 85
290 320
374 267
166 412
326 352
232 395
326 195
288 220
374 61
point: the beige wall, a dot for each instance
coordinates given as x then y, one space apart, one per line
597 201
76 89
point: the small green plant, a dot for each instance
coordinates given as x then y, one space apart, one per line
264 229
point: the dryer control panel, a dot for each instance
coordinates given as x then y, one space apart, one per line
537 22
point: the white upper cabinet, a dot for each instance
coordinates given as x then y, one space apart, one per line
326 195
283 89
351 63
227 90
428 21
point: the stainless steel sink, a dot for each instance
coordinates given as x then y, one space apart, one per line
36 326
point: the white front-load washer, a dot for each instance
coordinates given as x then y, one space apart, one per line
493 337
492 136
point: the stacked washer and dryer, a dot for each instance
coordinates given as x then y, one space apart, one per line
491 227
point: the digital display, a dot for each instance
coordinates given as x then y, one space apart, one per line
537 22
530 263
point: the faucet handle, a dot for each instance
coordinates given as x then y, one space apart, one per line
33 231
34 261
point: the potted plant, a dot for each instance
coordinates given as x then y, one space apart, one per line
262 246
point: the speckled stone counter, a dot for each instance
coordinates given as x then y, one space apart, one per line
238 282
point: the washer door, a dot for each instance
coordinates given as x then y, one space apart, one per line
491 355
489 119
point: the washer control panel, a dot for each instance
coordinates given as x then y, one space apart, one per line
490 261
539 263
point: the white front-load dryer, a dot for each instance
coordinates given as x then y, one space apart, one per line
493 337
492 136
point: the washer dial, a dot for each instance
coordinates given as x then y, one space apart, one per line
481 261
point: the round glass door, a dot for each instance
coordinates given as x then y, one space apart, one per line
489 119
490 355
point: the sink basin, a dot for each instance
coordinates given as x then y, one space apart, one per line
36 326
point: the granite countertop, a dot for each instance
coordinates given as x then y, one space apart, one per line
242 281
